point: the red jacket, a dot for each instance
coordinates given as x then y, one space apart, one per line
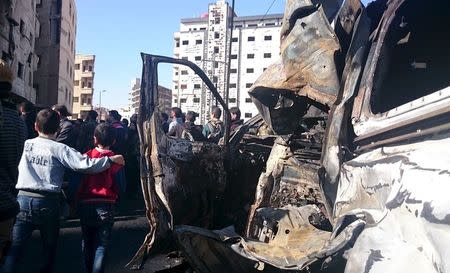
103 187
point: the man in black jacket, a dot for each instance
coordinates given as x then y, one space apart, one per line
12 138
67 133
28 115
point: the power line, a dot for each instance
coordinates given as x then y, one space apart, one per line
265 14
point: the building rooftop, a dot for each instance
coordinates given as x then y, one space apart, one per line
237 18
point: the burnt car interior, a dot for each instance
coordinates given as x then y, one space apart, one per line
415 60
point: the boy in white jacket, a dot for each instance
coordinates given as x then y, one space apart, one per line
41 171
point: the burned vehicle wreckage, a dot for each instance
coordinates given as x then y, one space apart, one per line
347 167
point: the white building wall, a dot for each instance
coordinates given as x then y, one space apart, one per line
204 42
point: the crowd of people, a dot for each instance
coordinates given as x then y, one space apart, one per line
49 162
183 125
44 156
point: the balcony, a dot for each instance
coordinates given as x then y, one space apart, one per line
87 74
86 107
86 91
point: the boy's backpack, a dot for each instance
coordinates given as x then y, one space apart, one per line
216 131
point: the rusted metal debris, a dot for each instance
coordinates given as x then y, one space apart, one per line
327 178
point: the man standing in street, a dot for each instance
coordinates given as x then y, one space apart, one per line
28 115
236 120
67 133
12 137
176 124
213 130
120 147
85 140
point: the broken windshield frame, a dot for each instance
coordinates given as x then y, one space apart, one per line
151 62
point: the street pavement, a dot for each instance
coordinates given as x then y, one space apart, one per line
129 232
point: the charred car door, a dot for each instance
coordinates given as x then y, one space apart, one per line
182 180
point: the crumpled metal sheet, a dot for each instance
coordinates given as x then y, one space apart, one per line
314 41
401 193
303 249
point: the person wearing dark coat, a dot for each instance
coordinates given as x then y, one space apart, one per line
85 140
12 138
28 115
191 131
236 120
120 147
67 133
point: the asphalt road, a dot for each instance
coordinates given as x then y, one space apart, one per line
129 232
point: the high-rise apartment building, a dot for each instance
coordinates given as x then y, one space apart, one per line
83 91
165 97
204 41
19 28
55 48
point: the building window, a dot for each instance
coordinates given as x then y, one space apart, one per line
184 58
248 100
248 115
76 99
203 28
77 66
232 100
67 66
175 101
196 100
198 42
248 85
238 26
233 70
250 70
267 55
198 58
251 38
216 64
184 72
217 20
270 24
234 39
176 73
185 42
177 44
22 27
197 86
215 79
233 57
268 38
20 68
89 85
183 86
232 85
90 68
216 49
216 35
76 83
250 56
183 100
252 25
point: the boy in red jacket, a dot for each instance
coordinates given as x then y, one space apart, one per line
97 196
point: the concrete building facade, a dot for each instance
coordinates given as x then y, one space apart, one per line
19 28
54 78
83 85
165 97
204 41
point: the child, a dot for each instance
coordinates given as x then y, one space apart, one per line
97 196
41 171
